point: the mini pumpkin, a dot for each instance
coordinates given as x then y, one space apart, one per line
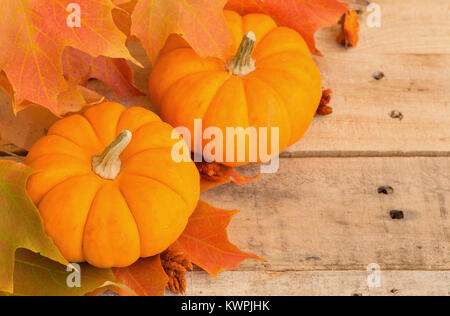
111 206
271 81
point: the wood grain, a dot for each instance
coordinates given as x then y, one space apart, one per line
316 283
326 214
407 27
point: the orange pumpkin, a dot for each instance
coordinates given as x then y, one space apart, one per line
111 206
272 81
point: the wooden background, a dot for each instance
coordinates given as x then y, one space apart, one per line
319 222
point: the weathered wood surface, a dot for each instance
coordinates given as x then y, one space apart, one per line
320 221
315 283
326 214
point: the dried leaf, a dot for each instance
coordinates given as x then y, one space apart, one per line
349 35
205 240
78 97
25 128
34 35
200 22
35 275
214 174
122 16
176 263
115 72
304 16
324 108
20 225
146 277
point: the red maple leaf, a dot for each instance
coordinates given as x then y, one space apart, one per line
304 16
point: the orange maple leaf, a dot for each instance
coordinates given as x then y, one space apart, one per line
204 243
304 16
115 72
215 174
146 278
34 35
200 22
205 240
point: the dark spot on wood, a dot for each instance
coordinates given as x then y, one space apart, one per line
395 291
442 209
395 214
378 75
396 115
385 189
357 294
313 259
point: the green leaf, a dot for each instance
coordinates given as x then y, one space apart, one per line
20 224
35 275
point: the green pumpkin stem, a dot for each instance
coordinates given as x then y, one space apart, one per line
242 64
107 165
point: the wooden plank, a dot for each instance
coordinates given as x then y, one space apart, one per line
305 283
407 27
414 85
411 48
326 214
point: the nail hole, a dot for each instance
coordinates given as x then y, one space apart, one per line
378 75
386 189
397 214
396 115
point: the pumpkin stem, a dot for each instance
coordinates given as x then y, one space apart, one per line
242 64
107 165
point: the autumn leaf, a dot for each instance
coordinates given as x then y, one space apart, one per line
304 16
20 224
146 277
120 2
215 174
26 127
200 22
349 35
115 72
122 16
324 108
34 36
35 275
5 85
205 240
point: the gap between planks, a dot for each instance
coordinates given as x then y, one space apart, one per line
364 154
